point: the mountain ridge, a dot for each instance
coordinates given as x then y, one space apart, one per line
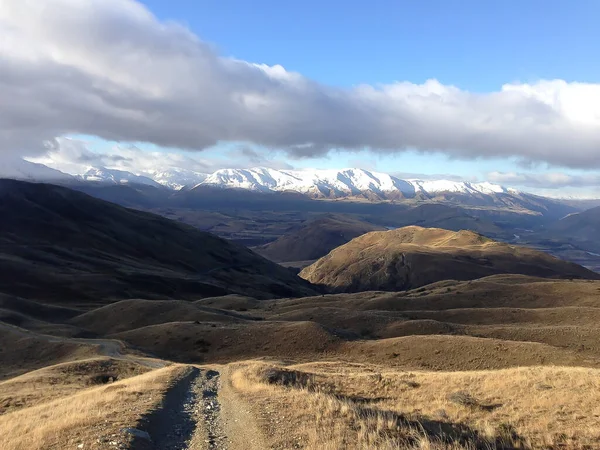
317 183
351 182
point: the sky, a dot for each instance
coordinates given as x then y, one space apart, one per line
507 92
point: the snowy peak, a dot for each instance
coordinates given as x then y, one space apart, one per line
343 183
259 179
438 186
113 176
177 178
317 183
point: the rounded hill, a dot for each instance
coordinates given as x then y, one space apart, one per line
411 257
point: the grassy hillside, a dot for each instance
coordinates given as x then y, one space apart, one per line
59 245
413 256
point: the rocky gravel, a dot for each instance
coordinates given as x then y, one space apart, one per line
211 411
189 418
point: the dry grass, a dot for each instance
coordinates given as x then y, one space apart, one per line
92 417
61 380
411 257
332 406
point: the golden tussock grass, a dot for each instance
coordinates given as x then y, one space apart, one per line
85 416
334 405
42 385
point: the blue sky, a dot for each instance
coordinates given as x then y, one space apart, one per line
505 91
476 45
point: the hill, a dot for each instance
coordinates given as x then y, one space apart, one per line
131 314
61 245
413 256
451 360
316 238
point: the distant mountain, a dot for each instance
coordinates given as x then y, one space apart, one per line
60 245
176 178
484 199
113 176
584 225
360 185
413 256
342 183
20 169
575 232
316 238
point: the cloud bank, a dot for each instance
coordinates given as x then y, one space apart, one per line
74 156
109 68
549 180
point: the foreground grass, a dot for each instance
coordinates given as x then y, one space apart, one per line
333 406
91 416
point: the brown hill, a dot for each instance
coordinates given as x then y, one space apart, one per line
131 314
61 245
226 342
316 238
232 302
413 256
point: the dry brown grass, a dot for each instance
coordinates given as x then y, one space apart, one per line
333 406
411 257
88 416
61 380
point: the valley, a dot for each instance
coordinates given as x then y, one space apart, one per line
125 329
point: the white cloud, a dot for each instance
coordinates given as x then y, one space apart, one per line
548 180
73 156
109 68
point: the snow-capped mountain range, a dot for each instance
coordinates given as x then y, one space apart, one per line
342 183
345 183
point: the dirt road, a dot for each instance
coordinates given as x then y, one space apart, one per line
201 412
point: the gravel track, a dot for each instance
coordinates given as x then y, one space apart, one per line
211 410
189 417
